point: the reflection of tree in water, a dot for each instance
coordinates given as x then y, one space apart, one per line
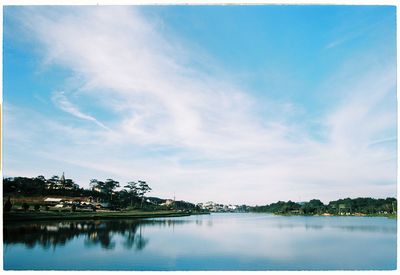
368 228
135 240
356 228
96 232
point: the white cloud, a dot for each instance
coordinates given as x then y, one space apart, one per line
200 135
64 104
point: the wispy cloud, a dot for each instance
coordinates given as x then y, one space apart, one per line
199 134
61 101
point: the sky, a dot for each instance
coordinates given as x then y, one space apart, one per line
231 104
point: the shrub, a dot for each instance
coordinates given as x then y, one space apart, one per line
37 207
25 206
73 208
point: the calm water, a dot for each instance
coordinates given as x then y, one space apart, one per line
207 242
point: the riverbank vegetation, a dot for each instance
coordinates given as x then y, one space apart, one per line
59 197
62 195
348 207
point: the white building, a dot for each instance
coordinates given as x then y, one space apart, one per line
53 201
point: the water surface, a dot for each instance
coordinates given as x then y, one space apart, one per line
207 242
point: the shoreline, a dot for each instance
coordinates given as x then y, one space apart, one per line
54 216
108 215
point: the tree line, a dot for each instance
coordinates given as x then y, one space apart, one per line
132 194
347 206
40 186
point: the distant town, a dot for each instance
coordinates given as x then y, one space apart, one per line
59 193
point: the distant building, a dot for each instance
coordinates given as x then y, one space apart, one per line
216 207
168 202
98 189
232 207
151 201
59 184
53 201
102 205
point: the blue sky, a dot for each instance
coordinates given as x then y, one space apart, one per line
235 104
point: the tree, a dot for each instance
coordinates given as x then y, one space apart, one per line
313 207
10 185
41 178
97 185
143 189
94 183
69 183
8 205
97 188
25 206
40 182
53 181
133 190
109 186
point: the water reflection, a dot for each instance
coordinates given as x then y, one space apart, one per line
53 234
366 228
349 228
100 233
209 242
292 226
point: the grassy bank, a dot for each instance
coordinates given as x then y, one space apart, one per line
53 215
390 216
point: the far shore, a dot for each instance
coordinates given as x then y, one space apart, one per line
54 215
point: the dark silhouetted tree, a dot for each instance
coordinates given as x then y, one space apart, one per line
133 188
25 206
8 205
143 189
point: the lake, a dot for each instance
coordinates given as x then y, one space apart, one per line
237 241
